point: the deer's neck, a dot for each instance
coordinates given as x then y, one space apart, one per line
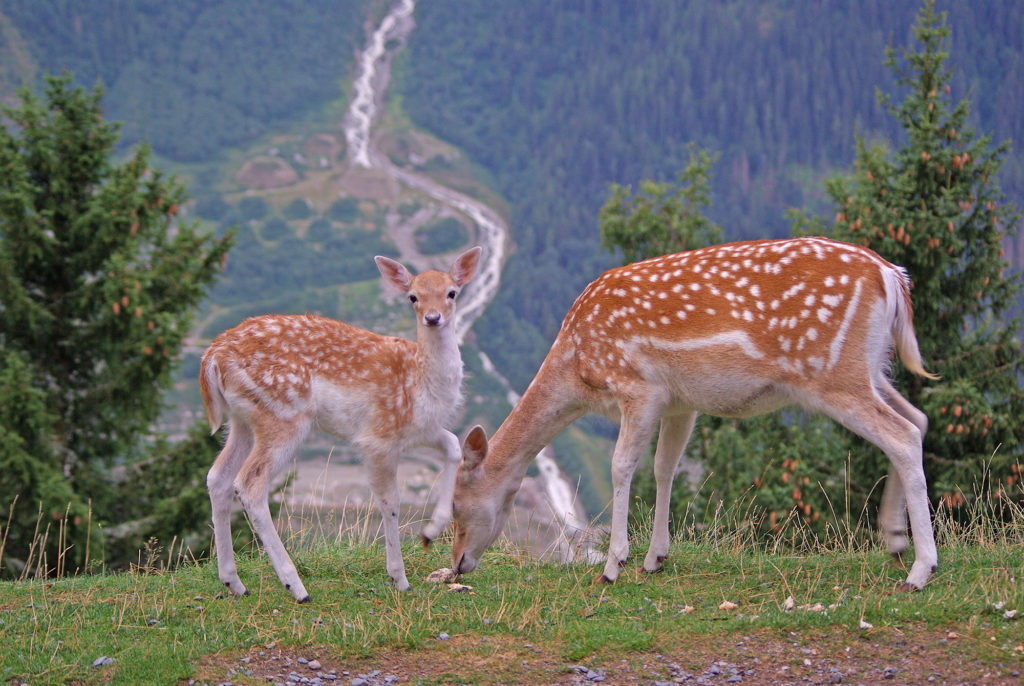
438 355
548 406
438 394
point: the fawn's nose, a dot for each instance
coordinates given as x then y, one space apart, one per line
432 318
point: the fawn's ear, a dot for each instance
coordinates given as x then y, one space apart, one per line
394 273
465 267
474 449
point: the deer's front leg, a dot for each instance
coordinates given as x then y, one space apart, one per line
448 446
384 483
634 435
675 432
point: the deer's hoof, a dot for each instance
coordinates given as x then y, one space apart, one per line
304 600
426 541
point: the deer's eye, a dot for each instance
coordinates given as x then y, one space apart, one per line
451 295
413 299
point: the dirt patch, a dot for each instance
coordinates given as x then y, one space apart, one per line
266 172
760 658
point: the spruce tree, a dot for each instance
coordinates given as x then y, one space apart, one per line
935 207
99 279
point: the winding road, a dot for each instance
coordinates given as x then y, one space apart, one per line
492 234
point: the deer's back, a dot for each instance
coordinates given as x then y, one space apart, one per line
729 329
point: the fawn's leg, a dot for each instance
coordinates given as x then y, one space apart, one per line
220 484
383 471
448 445
273 450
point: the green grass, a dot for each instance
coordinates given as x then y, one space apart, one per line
161 623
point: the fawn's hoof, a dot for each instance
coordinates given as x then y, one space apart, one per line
304 600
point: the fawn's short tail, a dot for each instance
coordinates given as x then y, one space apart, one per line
213 396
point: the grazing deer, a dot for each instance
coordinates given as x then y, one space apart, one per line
734 330
277 377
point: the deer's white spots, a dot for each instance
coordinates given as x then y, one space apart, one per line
829 282
832 300
823 314
793 290
809 300
812 334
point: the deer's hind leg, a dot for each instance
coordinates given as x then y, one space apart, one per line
220 484
275 443
900 438
892 514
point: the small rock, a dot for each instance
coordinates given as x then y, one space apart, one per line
889 673
443 636
314 665
788 604
866 625
445 575
101 661
359 681
459 588
1010 614
727 605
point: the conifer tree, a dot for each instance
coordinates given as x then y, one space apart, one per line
935 207
99 279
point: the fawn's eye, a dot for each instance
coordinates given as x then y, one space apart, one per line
413 299
451 295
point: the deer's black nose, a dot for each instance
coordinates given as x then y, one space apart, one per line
432 318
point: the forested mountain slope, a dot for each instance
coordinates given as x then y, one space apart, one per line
555 100
194 77
559 100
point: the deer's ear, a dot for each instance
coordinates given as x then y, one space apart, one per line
465 266
474 449
394 273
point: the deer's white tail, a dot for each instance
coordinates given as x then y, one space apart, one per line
213 394
901 317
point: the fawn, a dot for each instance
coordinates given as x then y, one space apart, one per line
277 377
